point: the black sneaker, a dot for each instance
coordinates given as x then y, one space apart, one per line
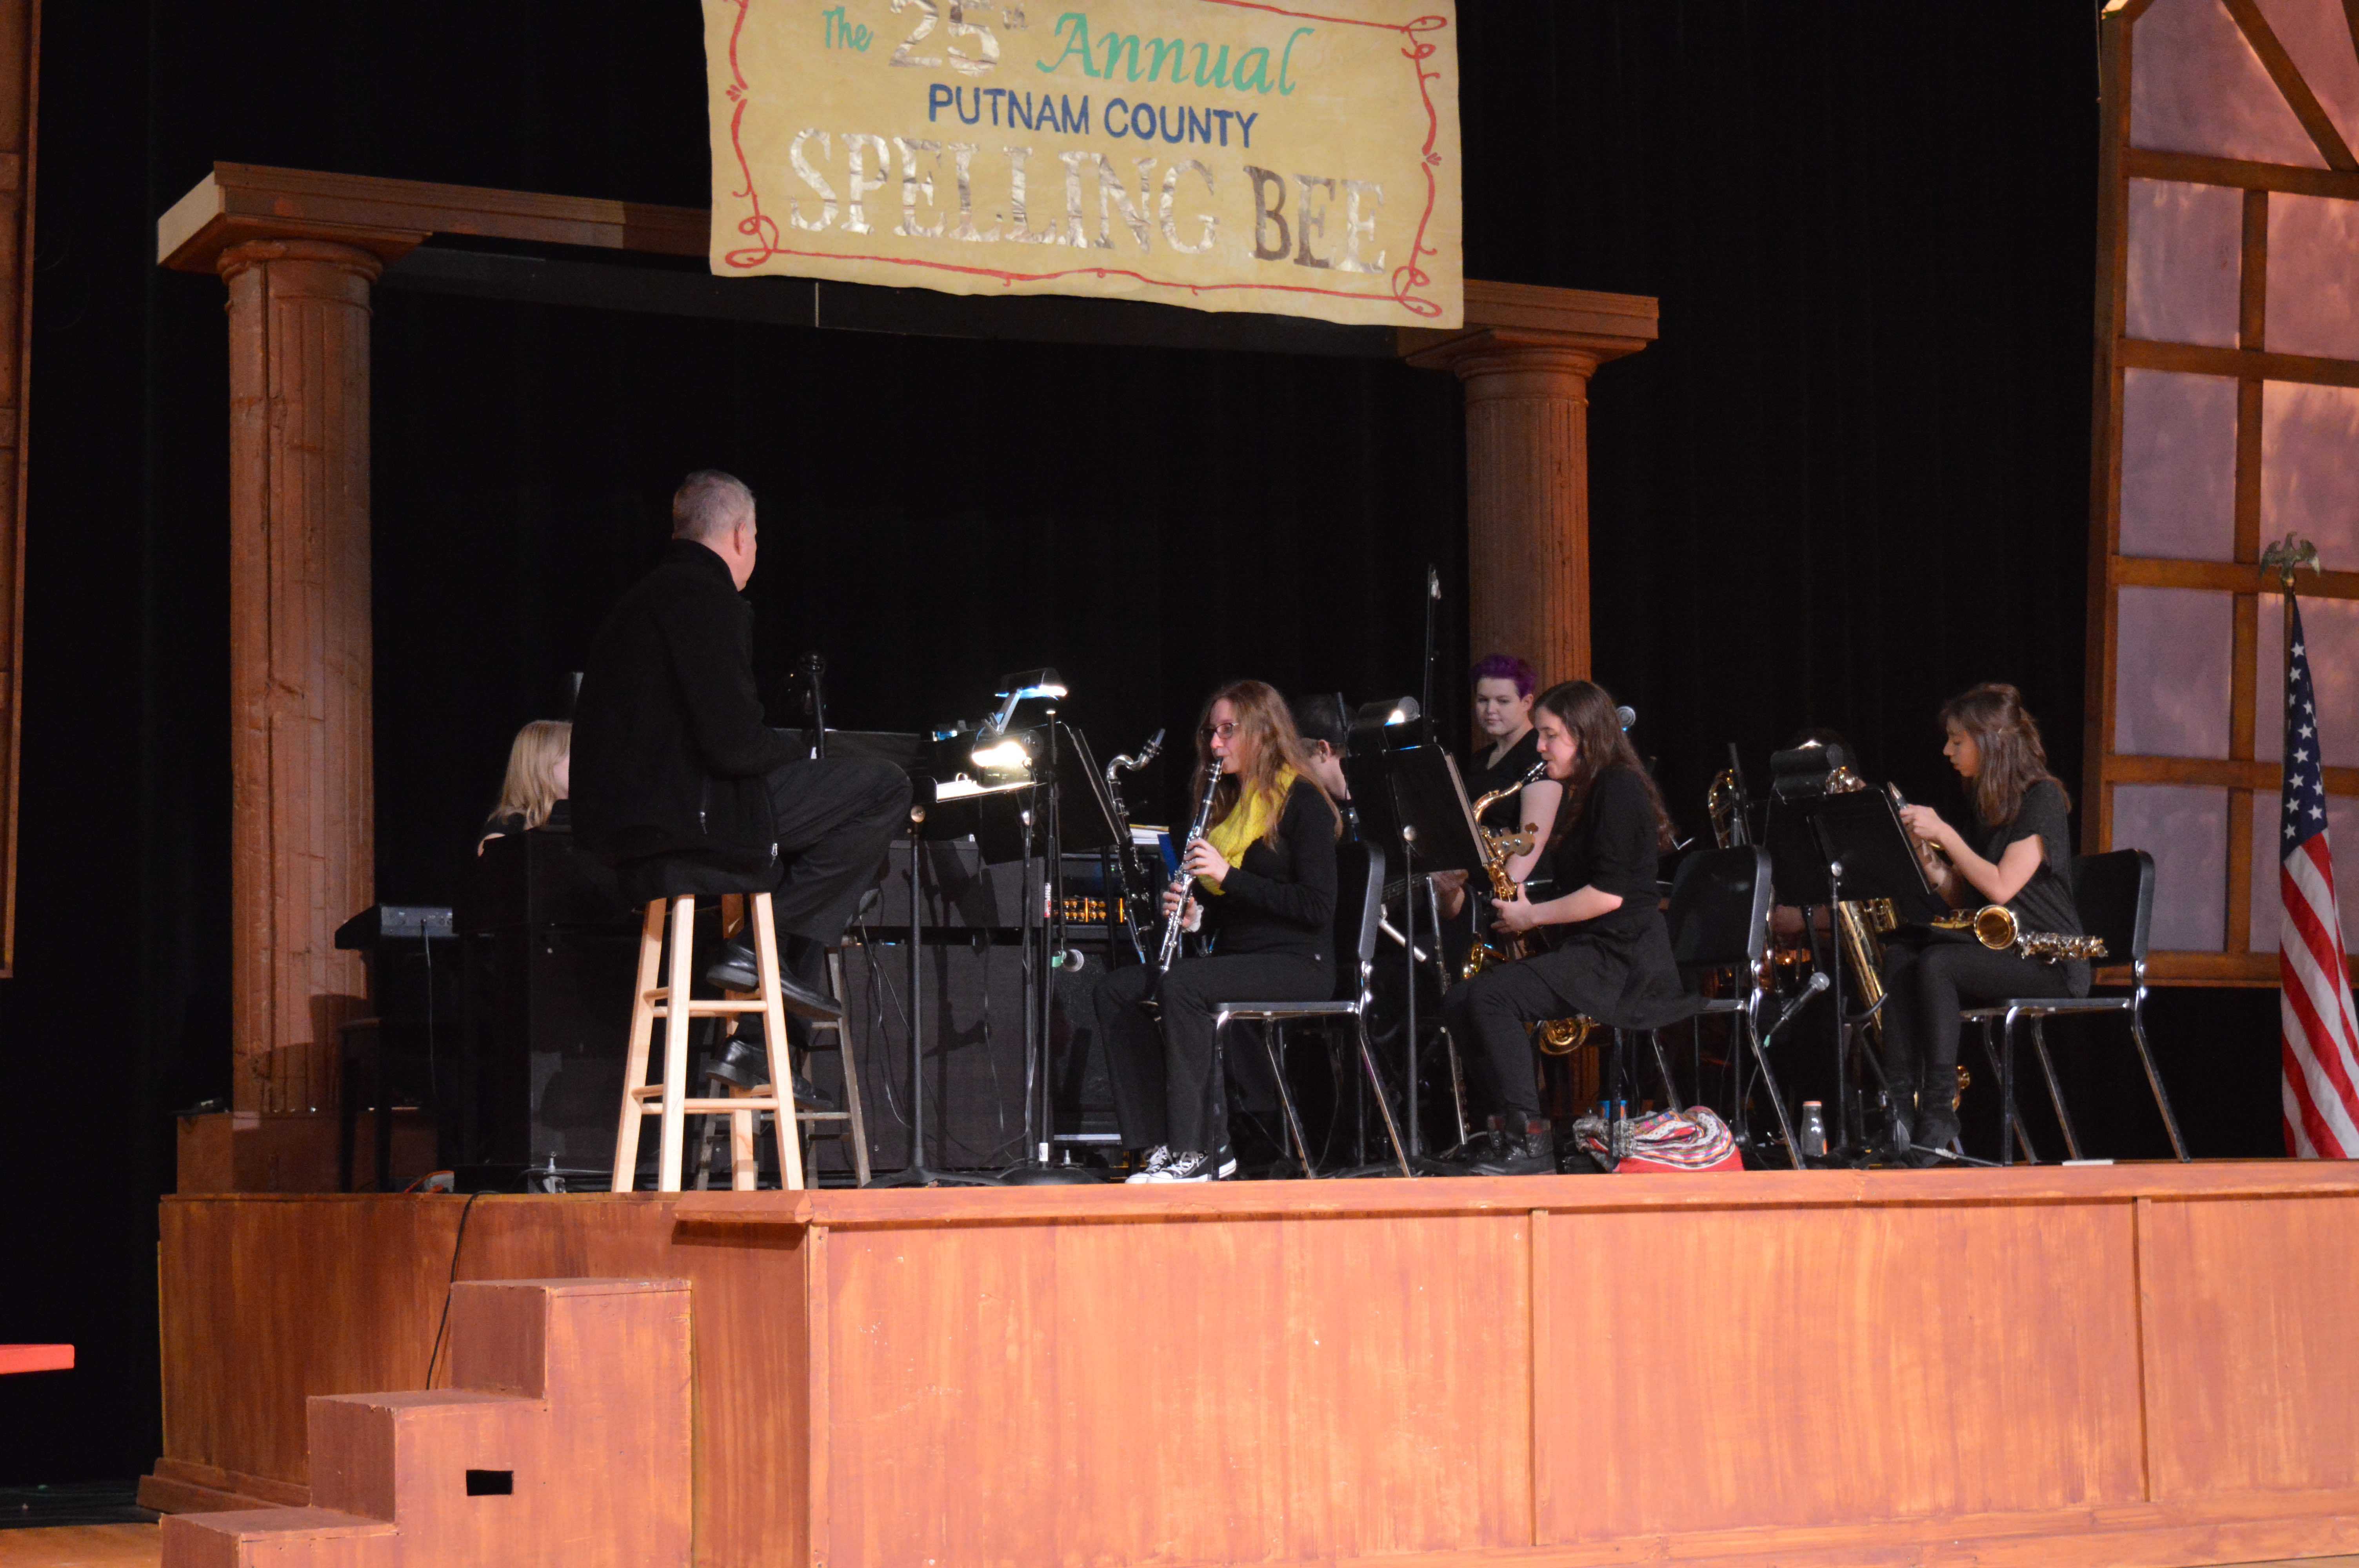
1149 1171
1194 1166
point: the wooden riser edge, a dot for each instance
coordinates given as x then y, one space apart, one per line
2244 1529
2239 1531
178 1487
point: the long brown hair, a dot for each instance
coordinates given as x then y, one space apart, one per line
2007 740
1586 710
1264 720
530 789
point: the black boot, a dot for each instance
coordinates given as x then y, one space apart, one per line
1899 1124
1935 1133
1484 1142
1529 1152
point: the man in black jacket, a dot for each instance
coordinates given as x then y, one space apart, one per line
674 766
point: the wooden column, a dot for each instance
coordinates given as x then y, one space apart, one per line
303 818
1526 356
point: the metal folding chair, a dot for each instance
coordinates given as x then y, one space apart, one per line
1719 919
1359 910
2114 893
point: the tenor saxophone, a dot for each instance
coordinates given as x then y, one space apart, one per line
1556 1036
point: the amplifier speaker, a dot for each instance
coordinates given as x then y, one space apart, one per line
549 1013
974 1007
962 892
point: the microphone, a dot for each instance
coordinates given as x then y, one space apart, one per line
1625 717
1819 982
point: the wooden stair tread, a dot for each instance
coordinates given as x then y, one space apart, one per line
286 1521
425 1399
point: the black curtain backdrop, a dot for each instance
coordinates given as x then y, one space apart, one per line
1850 479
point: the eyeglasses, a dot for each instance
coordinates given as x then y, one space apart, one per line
1219 731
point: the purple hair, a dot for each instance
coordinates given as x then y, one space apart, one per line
1506 667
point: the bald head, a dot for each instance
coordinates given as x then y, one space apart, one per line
716 510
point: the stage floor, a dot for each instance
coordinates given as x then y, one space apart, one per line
2118 1366
142 1546
83 1546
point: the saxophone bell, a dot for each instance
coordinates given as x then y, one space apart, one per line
1995 926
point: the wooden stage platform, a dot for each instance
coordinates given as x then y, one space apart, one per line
2132 1365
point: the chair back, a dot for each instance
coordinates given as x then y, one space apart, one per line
1720 909
1359 908
2114 893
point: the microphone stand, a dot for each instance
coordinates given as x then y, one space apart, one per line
1432 609
815 701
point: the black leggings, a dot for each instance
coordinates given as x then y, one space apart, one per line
1927 980
1164 1088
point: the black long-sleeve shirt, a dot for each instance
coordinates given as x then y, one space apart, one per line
1612 847
1281 898
669 745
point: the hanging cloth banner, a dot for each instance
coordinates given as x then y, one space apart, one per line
1223 154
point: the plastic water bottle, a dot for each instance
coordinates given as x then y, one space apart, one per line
1813 1131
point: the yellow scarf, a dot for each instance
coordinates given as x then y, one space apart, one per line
1252 819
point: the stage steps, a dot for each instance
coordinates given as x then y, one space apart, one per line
563 1438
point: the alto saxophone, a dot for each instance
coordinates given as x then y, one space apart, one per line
1995 926
1556 1036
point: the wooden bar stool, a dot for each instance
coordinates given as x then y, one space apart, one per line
847 1123
672 1002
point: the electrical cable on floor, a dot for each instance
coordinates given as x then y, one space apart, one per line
457 1242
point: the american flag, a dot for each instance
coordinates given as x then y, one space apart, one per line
2317 1031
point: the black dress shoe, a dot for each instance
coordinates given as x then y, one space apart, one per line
735 968
805 1002
746 1065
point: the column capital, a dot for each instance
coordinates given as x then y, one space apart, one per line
221 216
351 267
1519 328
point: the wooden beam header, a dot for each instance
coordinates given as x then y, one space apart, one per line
242 201
239 201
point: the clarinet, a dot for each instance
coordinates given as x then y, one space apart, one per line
1172 927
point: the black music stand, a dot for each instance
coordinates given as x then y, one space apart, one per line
1828 850
1415 798
917 1173
1045 949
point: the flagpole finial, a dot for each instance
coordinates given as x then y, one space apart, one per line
2289 556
